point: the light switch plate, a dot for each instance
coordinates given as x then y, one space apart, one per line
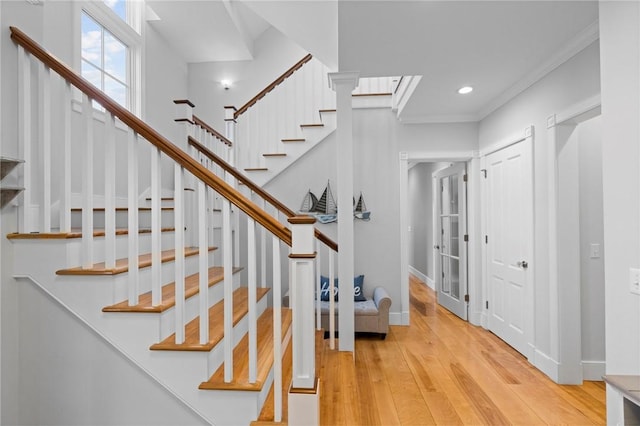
595 251
634 280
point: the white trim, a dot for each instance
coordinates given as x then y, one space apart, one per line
404 159
593 370
568 370
546 364
512 139
572 48
399 318
407 93
420 275
589 106
434 118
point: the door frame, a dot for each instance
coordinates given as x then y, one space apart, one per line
473 211
565 365
526 137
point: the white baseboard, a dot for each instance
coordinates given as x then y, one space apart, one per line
593 370
398 318
475 318
423 277
546 364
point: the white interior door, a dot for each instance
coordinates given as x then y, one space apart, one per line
509 245
451 249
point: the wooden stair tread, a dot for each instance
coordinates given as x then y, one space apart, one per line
256 169
216 321
241 358
267 414
161 199
121 209
191 287
293 140
75 233
275 154
312 125
328 110
122 265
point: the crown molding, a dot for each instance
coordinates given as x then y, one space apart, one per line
580 42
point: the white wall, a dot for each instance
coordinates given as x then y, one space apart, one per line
273 55
574 81
592 293
71 376
620 43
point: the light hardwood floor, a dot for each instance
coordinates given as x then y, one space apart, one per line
442 370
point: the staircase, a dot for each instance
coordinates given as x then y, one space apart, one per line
154 271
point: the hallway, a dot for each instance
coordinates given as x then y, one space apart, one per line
441 370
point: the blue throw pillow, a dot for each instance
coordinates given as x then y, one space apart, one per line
358 284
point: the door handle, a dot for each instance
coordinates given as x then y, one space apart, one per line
437 247
523 264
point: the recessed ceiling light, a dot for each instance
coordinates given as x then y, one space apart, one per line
464 90
226 84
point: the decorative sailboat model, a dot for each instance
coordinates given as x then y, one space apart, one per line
360 211
308 203
326 208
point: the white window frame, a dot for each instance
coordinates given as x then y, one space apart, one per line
128 33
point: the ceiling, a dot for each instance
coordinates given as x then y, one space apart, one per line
498 47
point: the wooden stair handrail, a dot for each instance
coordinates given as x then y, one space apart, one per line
257 189
155 138
270 87
199 122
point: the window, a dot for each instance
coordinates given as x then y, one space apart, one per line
104 60
110 49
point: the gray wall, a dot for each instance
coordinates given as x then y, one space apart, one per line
592 293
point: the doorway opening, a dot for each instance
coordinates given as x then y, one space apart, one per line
436 210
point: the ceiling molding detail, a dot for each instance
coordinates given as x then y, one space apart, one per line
569 50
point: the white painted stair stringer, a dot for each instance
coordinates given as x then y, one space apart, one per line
132 334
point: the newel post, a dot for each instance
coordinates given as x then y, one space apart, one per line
184 116
230 125
304 394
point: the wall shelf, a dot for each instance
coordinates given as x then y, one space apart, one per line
8 193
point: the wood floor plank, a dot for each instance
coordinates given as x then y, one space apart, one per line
442 370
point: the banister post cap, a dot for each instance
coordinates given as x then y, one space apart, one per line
302 235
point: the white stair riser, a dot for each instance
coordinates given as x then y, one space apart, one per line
122 219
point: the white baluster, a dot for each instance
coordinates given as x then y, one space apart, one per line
317 286
263 252
332 303
277 330
24 116
203 263
65 190
156 230
179 251
132 219
44 135
87 184
228 290
110 192
252 279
